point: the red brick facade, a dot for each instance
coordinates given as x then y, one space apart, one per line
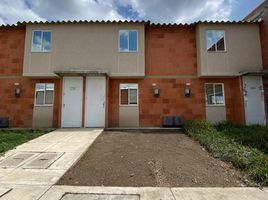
11 51
173 102
19 109
171 63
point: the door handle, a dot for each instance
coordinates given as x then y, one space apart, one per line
64 105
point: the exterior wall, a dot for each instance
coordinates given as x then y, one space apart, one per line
216 114
170 51
171 64
20 109
42 117
11 51
173 102
243 50
84 46
128 116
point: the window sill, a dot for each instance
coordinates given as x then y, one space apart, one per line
136 105
217 51
40 51
47 105
127 51
215 105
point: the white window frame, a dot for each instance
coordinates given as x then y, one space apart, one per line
216 50
129 95
42 31
44 100
223 93
128 41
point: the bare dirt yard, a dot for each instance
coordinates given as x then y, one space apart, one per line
150 159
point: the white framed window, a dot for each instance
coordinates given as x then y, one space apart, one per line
41 41
214 94
128 41
128 94
44 94
215 40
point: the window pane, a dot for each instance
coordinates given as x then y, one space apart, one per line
123 41
210 41
46 41
50 86
210 94
39 97
124 97
133 96
49 97
219 99
215 40
40 86
37 41
133 41
220 40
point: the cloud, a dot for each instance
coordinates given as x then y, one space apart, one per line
181 10
169 11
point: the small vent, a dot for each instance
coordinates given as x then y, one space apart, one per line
168 121
4 122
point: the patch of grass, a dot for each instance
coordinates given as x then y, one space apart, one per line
250 160
253 136
12 138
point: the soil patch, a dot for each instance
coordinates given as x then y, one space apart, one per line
148 159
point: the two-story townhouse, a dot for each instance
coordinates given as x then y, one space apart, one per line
129 74
261 14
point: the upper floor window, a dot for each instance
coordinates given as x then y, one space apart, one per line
128 94
215 40
214 93
41 41
128 41
44 94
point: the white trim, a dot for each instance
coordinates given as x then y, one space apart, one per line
129 105
224 36
223 94
128 30
44 100
42 31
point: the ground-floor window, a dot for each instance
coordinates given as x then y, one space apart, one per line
214 93
128 94
44 94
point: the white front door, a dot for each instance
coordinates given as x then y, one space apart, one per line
72 98
95 102
254 100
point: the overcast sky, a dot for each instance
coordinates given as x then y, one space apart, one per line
170 11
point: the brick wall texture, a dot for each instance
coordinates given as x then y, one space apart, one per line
170 57
170 63
19 109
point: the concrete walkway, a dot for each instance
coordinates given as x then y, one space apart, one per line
28 171
147 193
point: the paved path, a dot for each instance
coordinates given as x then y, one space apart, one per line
28 171
147 193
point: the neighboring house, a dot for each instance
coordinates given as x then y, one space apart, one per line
129 74
261 14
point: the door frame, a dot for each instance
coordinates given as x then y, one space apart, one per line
103 78
62 101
